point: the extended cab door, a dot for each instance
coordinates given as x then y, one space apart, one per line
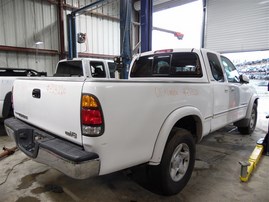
220 90
239 94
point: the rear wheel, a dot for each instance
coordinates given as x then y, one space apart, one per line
175 169
252 122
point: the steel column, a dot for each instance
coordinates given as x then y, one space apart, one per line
61 29
146 25
204 22
125 35
71 26
69 35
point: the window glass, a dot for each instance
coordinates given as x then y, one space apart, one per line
69 68
142 67
167 65
161 65
97 69
215 67
186 65
112 69
230 70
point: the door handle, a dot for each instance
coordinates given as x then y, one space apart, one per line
226 90
232 89
36 93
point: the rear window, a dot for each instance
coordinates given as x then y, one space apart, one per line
167 65
69 68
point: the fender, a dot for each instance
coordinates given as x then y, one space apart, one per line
251 102
245 121
7 105
166 128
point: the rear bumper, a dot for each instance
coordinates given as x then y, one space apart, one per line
67 157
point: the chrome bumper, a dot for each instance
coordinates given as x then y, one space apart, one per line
45 148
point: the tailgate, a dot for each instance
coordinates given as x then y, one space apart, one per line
52 105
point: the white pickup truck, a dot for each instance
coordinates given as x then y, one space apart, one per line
98 68
86 67
85 126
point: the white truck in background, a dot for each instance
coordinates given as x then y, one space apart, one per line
86 67
87 126
7 77
97 68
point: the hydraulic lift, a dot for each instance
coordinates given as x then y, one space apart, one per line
176 34
262 147
125 31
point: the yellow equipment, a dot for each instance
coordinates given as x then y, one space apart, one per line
261 147
248 167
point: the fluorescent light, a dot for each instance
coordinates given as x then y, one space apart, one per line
39 42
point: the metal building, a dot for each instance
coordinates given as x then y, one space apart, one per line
33 33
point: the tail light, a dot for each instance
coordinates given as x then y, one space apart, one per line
92 120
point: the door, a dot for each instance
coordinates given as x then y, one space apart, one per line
239 94
220 90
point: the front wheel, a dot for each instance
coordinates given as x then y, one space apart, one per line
252 122
175 169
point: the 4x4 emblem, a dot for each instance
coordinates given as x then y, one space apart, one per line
71 134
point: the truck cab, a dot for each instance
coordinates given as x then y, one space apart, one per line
88 67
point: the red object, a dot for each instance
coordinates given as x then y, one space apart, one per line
178 35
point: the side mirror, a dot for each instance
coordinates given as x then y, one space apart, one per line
243 78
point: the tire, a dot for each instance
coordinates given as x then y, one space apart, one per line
175 169
7 106
251 124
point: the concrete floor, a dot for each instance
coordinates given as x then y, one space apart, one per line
215 177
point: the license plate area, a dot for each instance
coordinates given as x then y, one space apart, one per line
28 141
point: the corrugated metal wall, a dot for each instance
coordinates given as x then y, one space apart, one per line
101 26
235 26
24 22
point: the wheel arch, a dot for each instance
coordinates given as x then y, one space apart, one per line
188 118
7 105
254 100
244 121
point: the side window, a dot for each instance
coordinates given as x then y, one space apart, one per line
97 69
215 67
112 68
230 70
